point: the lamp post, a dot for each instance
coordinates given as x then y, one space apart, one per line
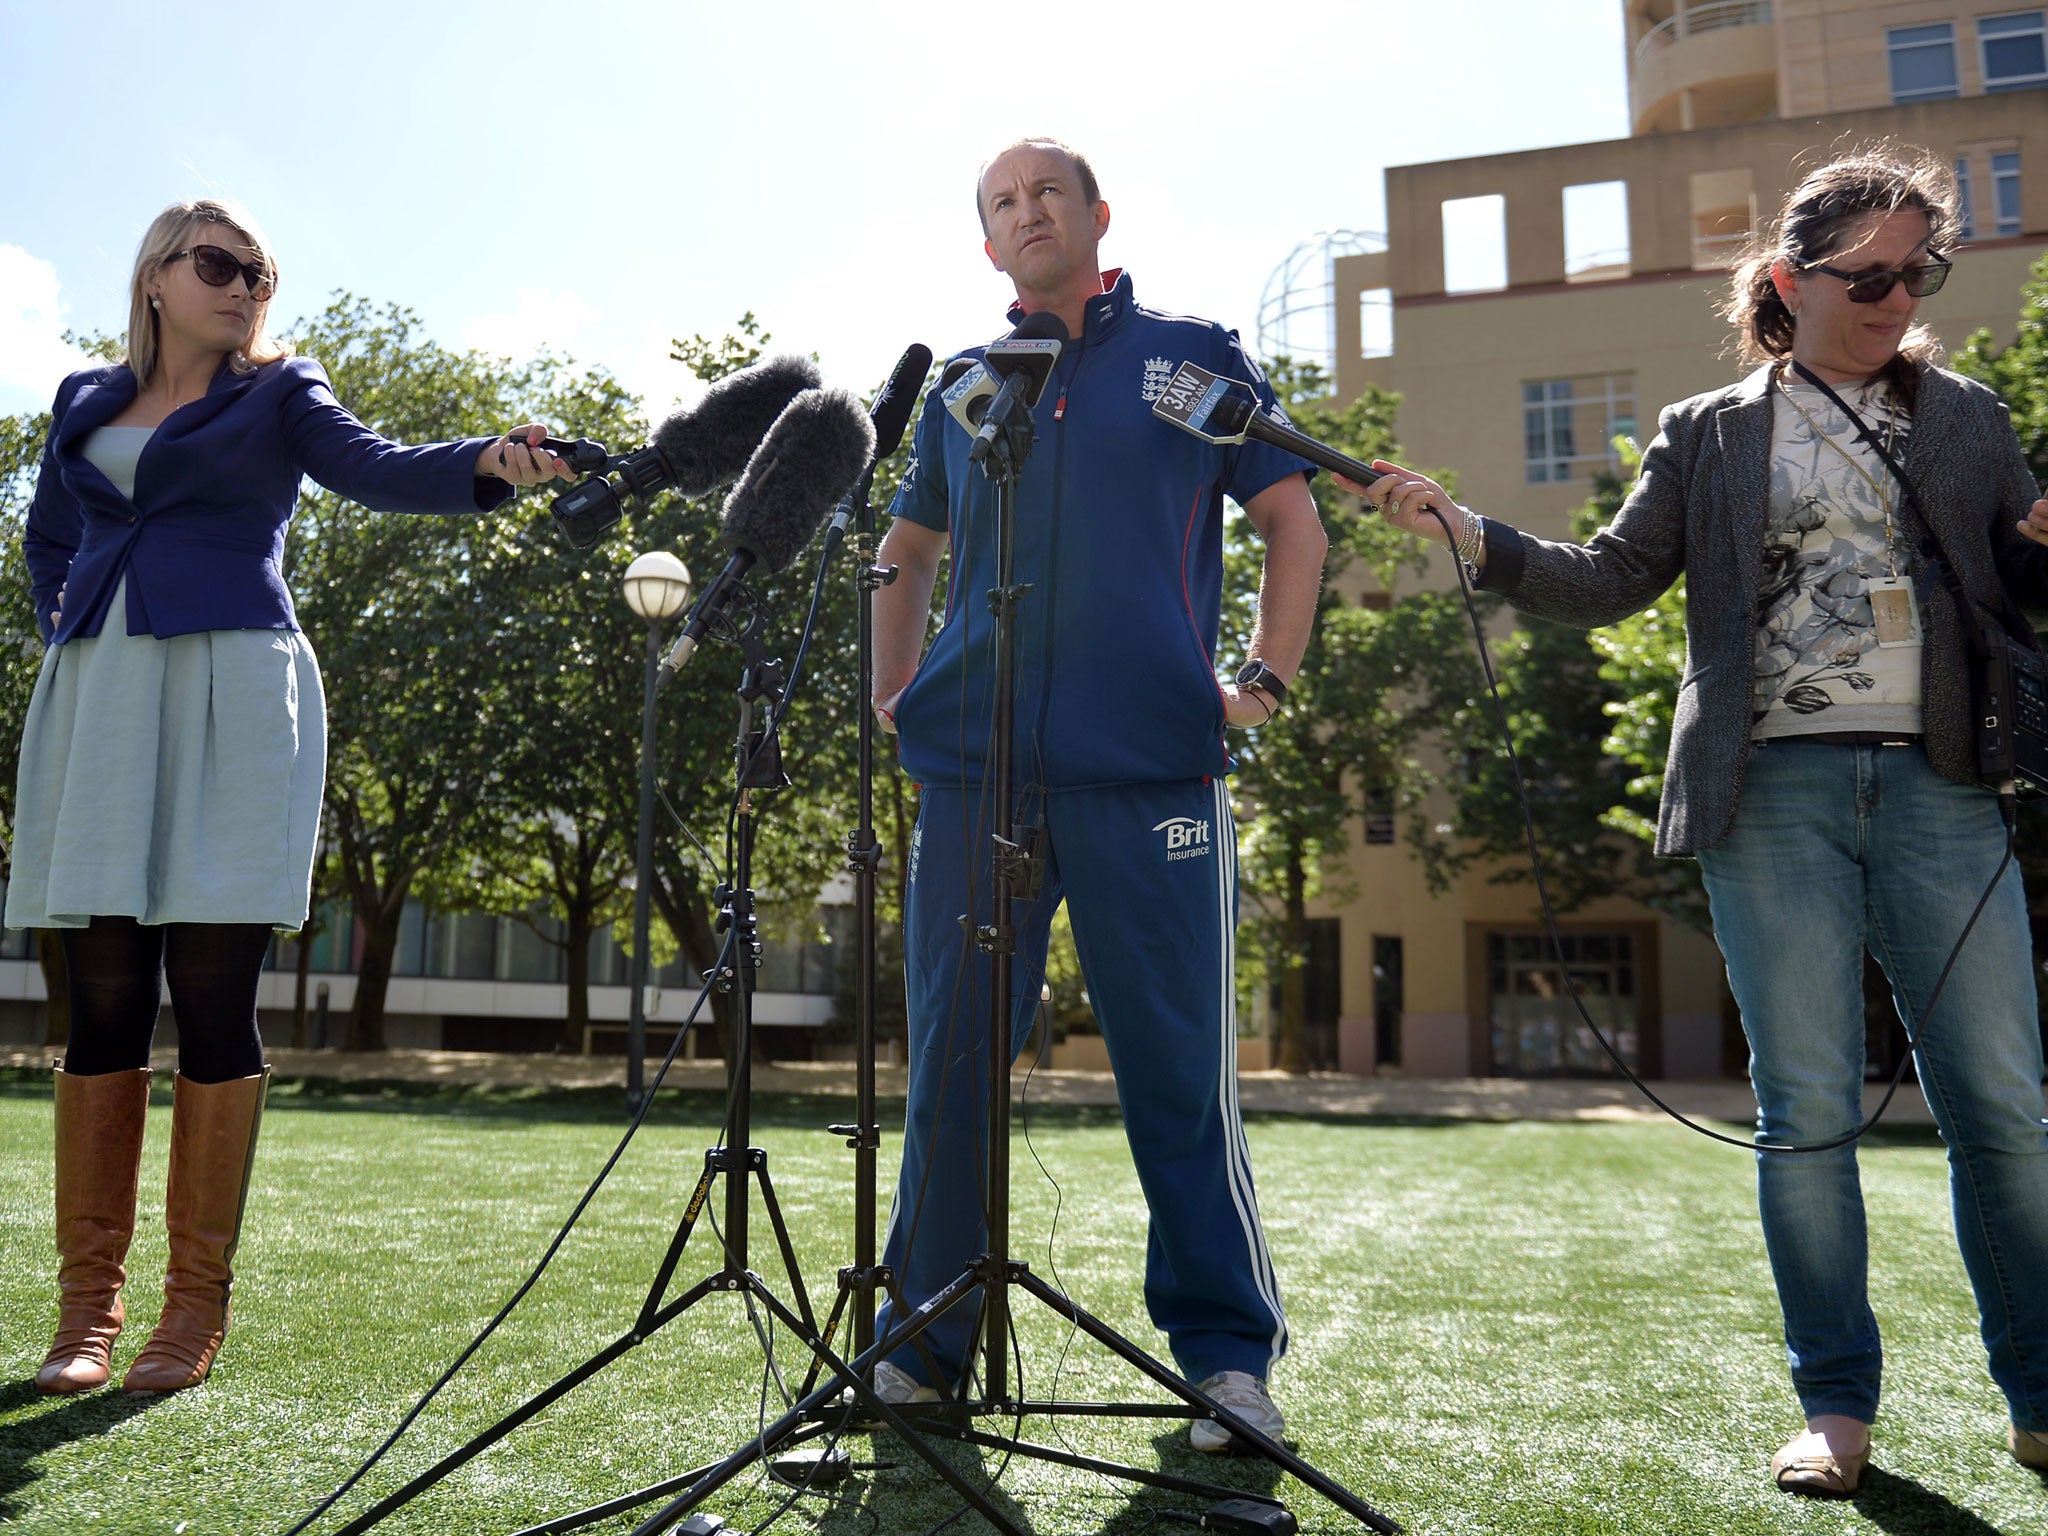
657 585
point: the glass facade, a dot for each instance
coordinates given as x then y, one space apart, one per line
1534 1027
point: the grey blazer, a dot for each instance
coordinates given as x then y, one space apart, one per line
1699 510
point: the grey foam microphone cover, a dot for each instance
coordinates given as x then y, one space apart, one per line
810 458
708 445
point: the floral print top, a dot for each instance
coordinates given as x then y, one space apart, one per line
1819 666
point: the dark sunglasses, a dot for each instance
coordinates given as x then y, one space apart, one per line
217 268
1869 287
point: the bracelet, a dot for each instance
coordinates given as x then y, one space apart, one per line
1471 546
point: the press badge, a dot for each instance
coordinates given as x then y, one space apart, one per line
1896 608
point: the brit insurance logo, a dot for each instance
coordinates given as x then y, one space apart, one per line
1158 374
1186 838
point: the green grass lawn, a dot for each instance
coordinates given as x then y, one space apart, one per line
1498 1328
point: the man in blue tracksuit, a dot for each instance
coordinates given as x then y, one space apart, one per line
1119 755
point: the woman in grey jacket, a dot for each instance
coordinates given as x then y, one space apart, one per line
1822 767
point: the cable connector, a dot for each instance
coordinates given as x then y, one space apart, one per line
813 1469
698 1525
1249 1517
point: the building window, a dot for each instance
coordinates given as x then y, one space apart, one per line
1534 1026
2014 50
1923 61
1379 816
1966 211
1569 425
2005 193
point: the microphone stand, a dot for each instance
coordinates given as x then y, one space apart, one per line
863 862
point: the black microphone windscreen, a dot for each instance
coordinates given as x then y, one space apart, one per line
709 444
955 371
1042 325
899 397
810 458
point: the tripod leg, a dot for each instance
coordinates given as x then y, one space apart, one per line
1272 1450
669 1260
518 1416
789 1262
848 1376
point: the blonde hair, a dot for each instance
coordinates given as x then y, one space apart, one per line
170 232
1824 209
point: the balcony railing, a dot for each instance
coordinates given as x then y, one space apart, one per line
1696 19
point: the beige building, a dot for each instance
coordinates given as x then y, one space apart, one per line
1519 376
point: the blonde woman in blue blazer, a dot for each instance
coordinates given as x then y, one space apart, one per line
172 761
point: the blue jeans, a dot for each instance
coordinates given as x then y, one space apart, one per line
1837 847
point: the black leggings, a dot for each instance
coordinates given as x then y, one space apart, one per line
116 969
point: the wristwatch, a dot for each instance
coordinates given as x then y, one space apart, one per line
1256 674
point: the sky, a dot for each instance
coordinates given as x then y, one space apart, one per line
602 177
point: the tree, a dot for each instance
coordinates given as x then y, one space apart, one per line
1368 686
413 621
2019 372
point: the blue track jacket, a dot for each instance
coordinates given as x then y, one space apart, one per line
1120 536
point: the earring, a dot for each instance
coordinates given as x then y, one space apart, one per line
155 302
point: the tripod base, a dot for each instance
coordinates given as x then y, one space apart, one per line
848 1402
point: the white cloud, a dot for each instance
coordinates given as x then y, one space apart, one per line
34 357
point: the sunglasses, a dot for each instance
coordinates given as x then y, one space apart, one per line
217 268
1869 287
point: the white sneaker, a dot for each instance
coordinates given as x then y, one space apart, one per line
1242 1393
897 1387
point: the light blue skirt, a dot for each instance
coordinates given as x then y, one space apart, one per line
172 781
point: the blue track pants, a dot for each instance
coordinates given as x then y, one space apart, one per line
1149 875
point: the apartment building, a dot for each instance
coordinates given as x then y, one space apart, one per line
1544 302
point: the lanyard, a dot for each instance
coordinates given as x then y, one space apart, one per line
1878 488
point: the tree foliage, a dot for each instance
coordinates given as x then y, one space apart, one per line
1365 691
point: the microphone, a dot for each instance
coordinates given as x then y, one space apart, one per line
1023 360
966 387
891 414
694 451
981 396
817 448
1220 410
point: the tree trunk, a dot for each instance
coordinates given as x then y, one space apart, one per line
577 931
1291 1030
57 983
304 969
373 971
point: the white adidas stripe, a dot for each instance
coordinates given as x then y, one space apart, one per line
1237 1155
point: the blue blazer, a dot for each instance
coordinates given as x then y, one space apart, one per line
202 539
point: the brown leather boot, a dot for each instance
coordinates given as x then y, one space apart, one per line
213 1145
99 1154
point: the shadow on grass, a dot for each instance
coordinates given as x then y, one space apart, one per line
76 1417
903 1492
1905 1508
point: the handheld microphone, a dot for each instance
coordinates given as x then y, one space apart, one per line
890 415
1220 410
580 454
816 449
693 451
966 387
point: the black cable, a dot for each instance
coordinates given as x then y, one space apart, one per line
1557 940
526 1285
